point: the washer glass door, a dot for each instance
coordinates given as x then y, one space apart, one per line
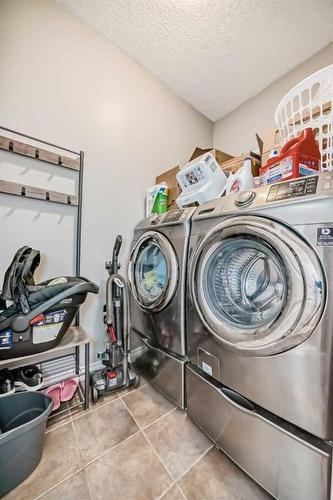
153 271
245 283
257 286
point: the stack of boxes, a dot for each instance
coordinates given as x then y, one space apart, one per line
268 148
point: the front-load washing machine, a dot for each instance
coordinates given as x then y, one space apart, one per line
260 332
157 278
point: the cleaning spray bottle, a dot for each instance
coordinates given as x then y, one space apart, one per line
160 205
242 180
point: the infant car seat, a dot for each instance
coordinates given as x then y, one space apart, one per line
38 316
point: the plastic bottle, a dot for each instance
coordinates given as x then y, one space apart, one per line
160 205
299 157
242 180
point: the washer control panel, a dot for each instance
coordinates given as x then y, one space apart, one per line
173 216
293 189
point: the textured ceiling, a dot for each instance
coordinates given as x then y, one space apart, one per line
215 54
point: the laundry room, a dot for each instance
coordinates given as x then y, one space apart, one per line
166 263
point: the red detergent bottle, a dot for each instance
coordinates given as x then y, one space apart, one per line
300 156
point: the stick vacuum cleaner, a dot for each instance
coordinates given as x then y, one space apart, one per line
116 373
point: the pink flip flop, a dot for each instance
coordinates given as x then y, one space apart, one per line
54 392
68 389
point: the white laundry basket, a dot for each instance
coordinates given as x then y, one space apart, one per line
310 104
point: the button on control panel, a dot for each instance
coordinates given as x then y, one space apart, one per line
155 219
293 189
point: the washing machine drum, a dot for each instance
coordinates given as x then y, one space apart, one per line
245 283
257 286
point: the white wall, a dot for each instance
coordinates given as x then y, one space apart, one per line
63 82
235 133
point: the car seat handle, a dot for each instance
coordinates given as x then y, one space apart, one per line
22 322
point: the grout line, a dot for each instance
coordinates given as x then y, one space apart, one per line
91 409
112 448
173 484
152 447
190 467
148 441
151 423
158 456
159 459
61 424
137 423
181 491
87 483
77 442
85 464
157 419
195 462
176 481
166 491
60 482
132 391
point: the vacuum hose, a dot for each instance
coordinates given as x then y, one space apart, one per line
119 282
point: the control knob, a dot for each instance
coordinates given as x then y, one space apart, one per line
155 219
244 198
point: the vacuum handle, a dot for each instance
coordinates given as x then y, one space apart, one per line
113 269
117 246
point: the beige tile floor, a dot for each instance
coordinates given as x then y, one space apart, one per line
136 446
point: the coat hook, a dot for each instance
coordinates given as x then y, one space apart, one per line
69 201
11 146
37 153
59 160
22 191
47 196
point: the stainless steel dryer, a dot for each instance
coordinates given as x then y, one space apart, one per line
260 332
157 277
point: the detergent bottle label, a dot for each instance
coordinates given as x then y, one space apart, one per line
280 171
306 170
235 186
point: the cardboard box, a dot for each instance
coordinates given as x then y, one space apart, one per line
173 194
219 156
231 166
169 176
269 142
